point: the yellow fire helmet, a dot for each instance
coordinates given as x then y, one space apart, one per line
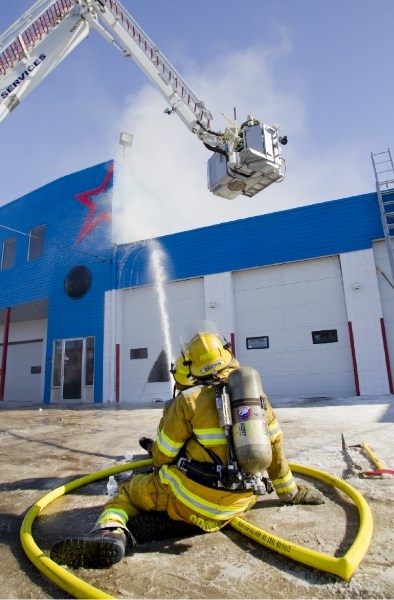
181 374
204 349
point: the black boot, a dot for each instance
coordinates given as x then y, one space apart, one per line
98 549
153 526
146 443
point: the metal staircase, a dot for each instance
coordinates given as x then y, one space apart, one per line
384 174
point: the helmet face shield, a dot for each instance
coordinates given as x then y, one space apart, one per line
198 328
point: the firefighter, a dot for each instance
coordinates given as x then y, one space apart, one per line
188 435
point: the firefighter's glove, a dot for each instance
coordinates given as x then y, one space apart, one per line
146 443
307 495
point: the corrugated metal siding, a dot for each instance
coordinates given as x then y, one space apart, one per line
56 206
302 233
310 231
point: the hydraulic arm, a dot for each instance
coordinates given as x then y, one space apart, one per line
245 159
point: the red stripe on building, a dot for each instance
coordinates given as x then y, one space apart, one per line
117 372
354 360
3 370
232 342
387 356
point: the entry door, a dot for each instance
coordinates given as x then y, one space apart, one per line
72 369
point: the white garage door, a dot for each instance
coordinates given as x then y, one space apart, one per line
280 307
24 374
143 364
387 296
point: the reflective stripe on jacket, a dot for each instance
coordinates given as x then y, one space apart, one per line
220 505
279 470
191 421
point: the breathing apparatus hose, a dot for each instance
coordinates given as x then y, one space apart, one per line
343 566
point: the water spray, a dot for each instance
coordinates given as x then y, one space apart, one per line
157 256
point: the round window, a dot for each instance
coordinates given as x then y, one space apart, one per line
77 282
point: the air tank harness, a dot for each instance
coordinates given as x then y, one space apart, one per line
211 474
214 473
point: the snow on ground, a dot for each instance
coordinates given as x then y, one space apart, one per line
41 447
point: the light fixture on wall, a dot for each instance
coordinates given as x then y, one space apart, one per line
212 304
355 285
126 139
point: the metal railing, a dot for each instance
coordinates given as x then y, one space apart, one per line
31 28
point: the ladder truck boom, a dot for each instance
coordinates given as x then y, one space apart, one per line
245 159
32 47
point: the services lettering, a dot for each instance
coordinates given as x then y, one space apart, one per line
23 76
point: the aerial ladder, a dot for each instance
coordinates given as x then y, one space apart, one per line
245 159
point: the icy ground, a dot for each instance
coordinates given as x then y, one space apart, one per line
41 447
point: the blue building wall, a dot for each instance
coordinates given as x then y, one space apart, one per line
301 233
76 211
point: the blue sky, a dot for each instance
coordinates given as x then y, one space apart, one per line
322 69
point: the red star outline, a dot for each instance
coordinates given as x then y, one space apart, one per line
86 199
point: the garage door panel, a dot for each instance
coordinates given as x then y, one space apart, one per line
386 295
313 316
278 318
304 379
310 292
305 360
286 303
317 385
299 339
312 319
309 270
22 382
277 275
142 328
319 293
283 327
252 279
262 319
268 297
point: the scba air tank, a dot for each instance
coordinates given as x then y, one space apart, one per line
249 430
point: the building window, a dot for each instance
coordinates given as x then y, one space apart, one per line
257 343
136 353
89 361
8 255
326 336
77 282
36 242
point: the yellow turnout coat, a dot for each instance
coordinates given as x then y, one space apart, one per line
191 421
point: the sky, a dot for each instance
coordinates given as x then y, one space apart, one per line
321 69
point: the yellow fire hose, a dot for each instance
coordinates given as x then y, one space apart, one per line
343 566
63 578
